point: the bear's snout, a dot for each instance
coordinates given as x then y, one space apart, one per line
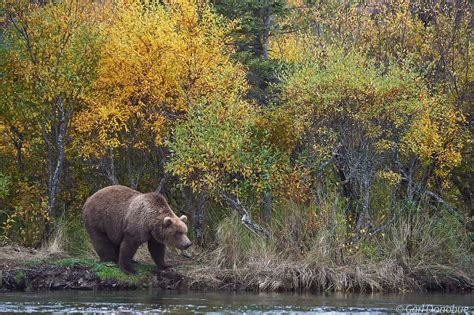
187 245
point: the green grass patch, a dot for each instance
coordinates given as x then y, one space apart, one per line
34 262
19 277
109 270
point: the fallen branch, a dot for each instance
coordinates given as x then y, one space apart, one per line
234 203
163 182
450 208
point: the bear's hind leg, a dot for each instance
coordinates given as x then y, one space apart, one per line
106 250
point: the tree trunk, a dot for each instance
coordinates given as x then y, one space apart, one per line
198 218
318 190
266 206
364 215
165 176
18 143
194 207
163 182
266 18
110 170
55 161
134 172
131 176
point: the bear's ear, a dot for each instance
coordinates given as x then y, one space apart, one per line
183 218
167 221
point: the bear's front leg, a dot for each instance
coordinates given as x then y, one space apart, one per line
128 248
157 252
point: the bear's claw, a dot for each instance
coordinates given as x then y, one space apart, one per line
129 271
167 268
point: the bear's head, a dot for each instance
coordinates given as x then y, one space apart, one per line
174 232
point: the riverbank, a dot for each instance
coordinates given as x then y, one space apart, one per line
80 274
23 269
26 270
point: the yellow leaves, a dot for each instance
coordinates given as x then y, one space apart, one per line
185 13
391 177
383 145
424 137
156 62
159 126
292 48
436 136
55 53
214 145
274 126
358 105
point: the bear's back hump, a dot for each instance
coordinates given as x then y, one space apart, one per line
107 208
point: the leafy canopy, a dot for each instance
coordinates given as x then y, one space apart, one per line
158 61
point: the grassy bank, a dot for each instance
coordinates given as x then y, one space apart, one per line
266 270
40 272
308 248
311 248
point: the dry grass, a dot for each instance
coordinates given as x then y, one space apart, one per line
416 253
13 255
307 251
56 243
275 272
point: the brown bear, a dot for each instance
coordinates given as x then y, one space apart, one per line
119 219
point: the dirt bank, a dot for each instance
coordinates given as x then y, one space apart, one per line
80 277
28 269
84 274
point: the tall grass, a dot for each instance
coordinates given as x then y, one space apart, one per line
310 248
70 236
313 248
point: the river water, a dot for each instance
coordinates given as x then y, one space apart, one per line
192 302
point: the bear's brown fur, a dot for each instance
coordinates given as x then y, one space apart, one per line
119 219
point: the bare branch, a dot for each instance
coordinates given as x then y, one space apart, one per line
234 203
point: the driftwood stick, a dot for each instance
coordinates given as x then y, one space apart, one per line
450 208
234 203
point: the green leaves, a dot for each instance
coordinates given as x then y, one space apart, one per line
209 149
216 149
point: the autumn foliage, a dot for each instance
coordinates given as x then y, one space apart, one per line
367 103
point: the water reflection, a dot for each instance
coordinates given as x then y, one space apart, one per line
151 302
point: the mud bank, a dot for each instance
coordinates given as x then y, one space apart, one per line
68 274
27 270
79 276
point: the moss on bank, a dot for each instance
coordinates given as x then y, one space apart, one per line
110 271
274 275
19 277
84 274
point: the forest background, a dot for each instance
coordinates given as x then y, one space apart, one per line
298 134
